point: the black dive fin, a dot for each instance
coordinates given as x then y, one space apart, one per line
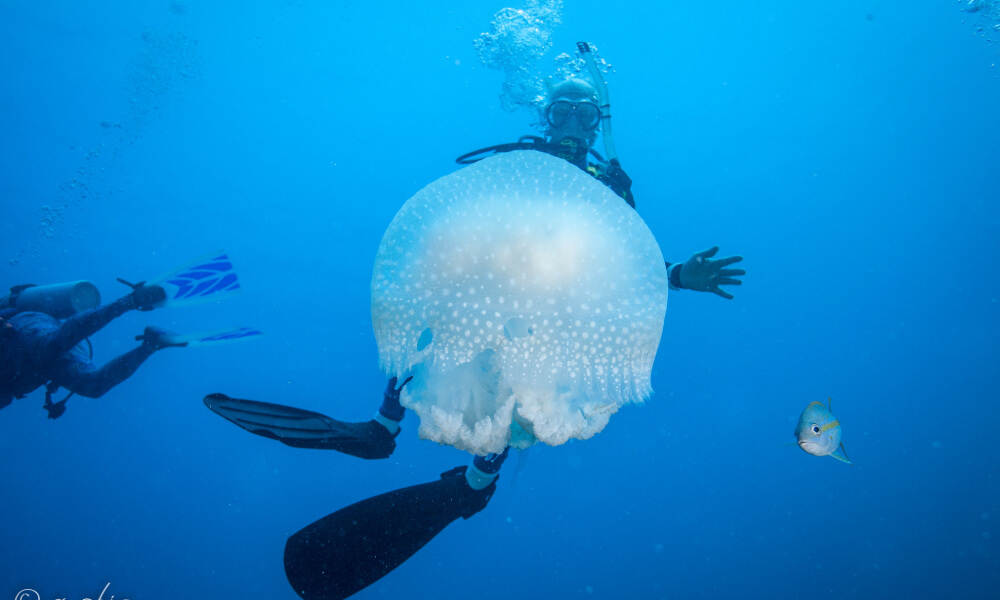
301 428
345 552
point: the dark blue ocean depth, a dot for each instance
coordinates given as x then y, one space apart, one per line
849 151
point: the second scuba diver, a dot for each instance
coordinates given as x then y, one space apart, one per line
38 349
43 330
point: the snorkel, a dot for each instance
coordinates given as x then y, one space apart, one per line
602 90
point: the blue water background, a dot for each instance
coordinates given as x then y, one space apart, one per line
848 150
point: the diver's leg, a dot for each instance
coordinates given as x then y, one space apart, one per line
346 551
301 428
80 376
82 325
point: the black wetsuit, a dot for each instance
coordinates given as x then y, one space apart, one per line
38 349
571 150
610 174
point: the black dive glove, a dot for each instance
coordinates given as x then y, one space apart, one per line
702 274
155 338
145 297
619 181
617 176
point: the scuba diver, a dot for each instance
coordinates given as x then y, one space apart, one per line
576 110
43 330
348 550
38 349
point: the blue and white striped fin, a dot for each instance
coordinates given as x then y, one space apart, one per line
213 338
206 279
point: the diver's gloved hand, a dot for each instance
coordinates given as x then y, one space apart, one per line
617 178
391 408
144 297
702 274
55 409
154 338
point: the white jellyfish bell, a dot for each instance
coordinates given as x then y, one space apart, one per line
525 298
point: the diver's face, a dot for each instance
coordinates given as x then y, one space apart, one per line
572 117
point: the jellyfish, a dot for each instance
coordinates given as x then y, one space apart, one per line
525 299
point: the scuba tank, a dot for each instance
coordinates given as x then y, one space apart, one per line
60 300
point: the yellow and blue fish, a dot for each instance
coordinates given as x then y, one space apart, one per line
818 432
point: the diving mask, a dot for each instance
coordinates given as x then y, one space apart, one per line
586 113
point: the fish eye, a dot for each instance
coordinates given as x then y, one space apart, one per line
816 429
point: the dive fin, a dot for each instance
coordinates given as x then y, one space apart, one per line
841 454
211 338
345 552
207 279
300 428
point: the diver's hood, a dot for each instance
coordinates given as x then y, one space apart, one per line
573 86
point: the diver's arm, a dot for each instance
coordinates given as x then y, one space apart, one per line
82 325
82 377
77 374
